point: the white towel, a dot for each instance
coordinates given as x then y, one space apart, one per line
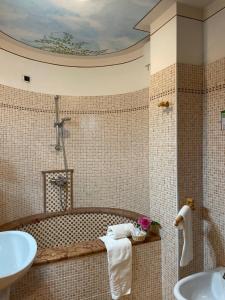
120 231
119 254
186 226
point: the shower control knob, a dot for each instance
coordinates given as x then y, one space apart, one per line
58 147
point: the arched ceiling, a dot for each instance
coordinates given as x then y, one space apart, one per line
77 27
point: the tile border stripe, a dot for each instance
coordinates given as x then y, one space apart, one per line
72 112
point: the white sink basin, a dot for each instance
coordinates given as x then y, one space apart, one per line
17 252
202 286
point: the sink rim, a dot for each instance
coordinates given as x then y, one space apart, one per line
176 290
192 277
32 251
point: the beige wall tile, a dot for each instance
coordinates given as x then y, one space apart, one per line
107 147
213 165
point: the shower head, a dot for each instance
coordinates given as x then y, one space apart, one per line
56 97
61 123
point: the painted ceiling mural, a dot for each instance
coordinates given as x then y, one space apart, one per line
78 27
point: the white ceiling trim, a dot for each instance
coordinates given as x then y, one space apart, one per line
213 8
124 56
167 9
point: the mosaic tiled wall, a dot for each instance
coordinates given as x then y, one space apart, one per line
214 166
117 156
86 278
163 170
189 154
175 163
106 144
192 127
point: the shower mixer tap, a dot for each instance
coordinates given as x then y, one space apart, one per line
60 181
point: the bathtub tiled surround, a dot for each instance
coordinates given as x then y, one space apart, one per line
107 147
71 260
86 278
71 227
74 233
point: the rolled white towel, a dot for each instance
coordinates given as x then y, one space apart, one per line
120 231
186 226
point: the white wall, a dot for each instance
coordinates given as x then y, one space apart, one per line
180 40
189 41
60 80
163 51
214 41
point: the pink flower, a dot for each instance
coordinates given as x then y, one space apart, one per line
144 222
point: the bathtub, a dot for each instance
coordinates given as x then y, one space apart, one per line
71 262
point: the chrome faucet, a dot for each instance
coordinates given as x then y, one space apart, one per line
60 181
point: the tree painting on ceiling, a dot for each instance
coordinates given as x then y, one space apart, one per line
75 27
64 44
